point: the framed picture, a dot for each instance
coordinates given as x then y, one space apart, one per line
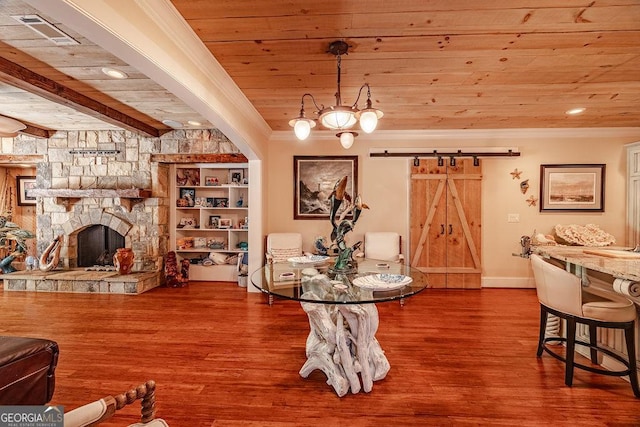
189 176
572 188
314 178
224 223
236 176
24 183
188 194
211 181
188 222
213 221
220 202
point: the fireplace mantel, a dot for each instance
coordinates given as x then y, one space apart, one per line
68 196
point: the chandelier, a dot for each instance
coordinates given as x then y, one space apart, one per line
339 117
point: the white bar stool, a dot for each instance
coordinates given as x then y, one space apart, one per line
560 294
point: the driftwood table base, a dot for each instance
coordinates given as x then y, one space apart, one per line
342 344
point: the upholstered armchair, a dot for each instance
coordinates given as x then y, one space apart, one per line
94 413
382 245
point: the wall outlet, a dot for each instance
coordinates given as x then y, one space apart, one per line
513 218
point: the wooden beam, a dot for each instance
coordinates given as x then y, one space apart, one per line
199 158
21 158
38 131
20 77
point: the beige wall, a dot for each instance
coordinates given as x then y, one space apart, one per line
383 183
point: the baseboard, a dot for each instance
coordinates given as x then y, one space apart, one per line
508 282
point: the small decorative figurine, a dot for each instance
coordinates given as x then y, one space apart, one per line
524 186
320 245
516 174
531 201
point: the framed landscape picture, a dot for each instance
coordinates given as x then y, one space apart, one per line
572 188
314 180
25 183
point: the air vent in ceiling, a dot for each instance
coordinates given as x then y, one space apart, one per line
45 29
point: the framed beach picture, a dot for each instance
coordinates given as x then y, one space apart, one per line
314 180
24 183
572 188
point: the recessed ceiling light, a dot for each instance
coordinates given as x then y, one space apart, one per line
172 123
574 111
114 73
194 123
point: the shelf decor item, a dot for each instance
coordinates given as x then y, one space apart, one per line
225 223
189 176
188 194
236 176
220 202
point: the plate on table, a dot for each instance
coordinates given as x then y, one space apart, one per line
382 282
308 260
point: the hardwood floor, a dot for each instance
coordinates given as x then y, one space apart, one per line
222 357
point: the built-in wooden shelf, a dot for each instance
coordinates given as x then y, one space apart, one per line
126 197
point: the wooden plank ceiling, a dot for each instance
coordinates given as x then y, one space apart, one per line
438 64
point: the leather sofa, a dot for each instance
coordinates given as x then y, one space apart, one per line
27 370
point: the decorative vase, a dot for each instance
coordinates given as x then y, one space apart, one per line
123 260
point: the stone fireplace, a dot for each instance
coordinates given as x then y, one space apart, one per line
106 179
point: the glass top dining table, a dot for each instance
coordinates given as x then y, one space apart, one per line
371 281
343 318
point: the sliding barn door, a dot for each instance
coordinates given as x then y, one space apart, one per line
445 227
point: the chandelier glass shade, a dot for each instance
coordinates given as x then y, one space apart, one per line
341 118
338 117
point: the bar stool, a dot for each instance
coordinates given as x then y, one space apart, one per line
560 294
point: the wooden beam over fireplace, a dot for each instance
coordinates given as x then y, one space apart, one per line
199 158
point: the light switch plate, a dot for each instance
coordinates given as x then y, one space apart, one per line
513 217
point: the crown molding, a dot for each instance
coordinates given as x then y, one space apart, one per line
408 136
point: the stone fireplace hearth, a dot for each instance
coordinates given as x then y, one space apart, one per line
80 280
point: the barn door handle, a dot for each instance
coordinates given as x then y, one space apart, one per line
441 228
450 229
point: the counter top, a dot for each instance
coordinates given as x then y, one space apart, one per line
622 268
